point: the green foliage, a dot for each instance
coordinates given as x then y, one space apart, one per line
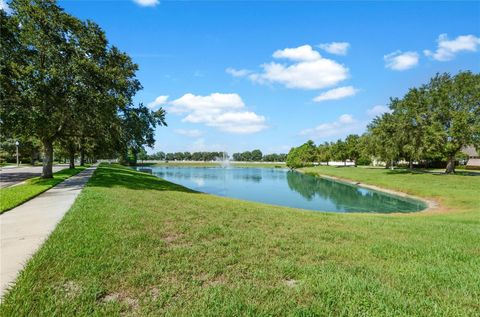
257 156
431 123
324 152
434 121
303 155
64 84
28 150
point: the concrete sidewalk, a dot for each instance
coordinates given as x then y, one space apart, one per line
24 228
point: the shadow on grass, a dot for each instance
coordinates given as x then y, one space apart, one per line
424 171
121 176
429 172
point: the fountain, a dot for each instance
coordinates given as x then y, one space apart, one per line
223 160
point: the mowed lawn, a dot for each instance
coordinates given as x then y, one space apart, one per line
134 244
13 196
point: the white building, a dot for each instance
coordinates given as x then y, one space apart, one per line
473 157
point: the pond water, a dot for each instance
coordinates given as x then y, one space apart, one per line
286 188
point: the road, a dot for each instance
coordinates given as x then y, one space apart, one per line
13 175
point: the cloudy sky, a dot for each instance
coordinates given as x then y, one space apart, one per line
240 75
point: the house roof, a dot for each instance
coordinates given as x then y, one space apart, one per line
470 151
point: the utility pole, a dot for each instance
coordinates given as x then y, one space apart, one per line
16 144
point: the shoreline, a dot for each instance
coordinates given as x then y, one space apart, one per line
431 205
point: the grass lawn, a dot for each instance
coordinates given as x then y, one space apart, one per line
11 197
134 244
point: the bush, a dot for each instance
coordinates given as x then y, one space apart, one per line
364 161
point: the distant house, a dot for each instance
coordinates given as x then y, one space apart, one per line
473 157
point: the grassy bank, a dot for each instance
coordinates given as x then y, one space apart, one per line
458 193
11 197
161 249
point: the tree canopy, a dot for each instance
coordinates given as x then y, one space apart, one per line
433 122
62 83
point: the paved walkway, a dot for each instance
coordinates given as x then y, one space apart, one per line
13 175
24 228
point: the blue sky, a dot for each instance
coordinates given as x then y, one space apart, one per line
241 75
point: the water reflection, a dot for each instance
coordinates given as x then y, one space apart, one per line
287 188
348 197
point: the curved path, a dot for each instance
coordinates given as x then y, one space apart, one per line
24 228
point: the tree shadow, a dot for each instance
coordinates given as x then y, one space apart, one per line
112 176
438 173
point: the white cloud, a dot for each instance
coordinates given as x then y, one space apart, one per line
309 70
4 6
401 61
337 93
189 133
201 145
337 48
238 72
302 53
147 3
160 100
225 112
346 118
447 49
344 125
378 110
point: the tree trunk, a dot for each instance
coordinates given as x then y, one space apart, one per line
410 164
47 171
71 155
450 165
82 156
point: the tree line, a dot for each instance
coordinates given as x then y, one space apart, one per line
183 156
430 123
64 87
257 156
247 156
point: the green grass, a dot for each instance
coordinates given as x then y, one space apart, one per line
133 244
11 197
455 192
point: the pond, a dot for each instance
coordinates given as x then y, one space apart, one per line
286 188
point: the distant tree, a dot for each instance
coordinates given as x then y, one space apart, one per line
352 148
246 156
455 108
142 154
294 158
303 155
274 157
187 156
158 156
256 155
340 151
139 128
324 152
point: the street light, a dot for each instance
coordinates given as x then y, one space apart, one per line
17 144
